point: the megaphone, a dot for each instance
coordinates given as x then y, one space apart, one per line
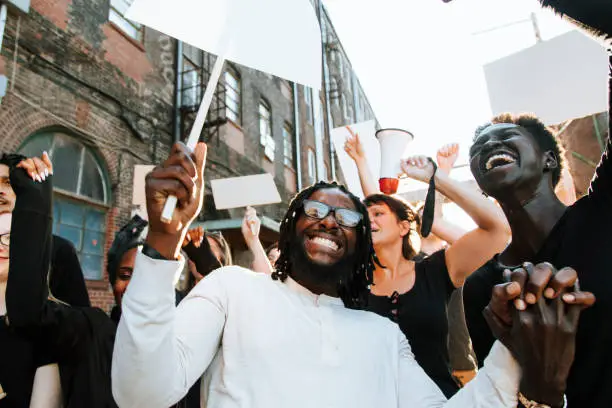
393 144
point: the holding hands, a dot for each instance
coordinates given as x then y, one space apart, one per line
535 315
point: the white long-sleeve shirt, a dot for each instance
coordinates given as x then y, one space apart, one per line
274 344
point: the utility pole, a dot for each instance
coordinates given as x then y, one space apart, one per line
533 19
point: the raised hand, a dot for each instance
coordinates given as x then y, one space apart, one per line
536 317
353 146
37 168
181 175
251 224
418 168
195 235
446 157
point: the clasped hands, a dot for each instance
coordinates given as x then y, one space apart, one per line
535 315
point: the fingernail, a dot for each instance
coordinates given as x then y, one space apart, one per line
549 293
47 172
37 178
520 304
569 298
42 176
530 298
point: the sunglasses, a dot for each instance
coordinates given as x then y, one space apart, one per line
344 216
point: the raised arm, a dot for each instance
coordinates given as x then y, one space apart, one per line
444 229
476 247
251 225
354 149
161 350
30 254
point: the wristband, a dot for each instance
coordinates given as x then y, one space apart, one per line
430 203
152 253
527 403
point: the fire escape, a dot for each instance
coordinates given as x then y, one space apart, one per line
194 79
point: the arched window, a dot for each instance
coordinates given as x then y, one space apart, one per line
81 195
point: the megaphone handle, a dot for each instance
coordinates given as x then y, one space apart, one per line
196 129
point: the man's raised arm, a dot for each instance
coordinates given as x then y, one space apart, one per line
161 350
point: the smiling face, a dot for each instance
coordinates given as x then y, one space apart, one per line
7 195
505 158
5 228
387 229
325 242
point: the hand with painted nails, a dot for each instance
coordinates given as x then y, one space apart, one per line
37 168
535 315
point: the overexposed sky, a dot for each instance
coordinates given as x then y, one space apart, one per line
420 61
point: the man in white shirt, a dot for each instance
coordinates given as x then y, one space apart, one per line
293 339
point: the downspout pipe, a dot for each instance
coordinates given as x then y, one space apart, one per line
297 139
3 17
178 91
329 121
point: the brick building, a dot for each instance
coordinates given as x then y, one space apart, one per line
102 95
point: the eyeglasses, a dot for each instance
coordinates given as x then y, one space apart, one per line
344 216
5 239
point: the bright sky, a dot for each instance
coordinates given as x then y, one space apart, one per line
420 62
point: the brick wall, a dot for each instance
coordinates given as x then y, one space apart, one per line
580 142
76 72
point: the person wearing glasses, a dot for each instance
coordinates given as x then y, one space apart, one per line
415 293
299 337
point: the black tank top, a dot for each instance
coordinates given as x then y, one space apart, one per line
421 315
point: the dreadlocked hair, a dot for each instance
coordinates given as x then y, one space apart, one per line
353 292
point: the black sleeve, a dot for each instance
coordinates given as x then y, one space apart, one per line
203 257
28 308
459 345
596 17
66 279
436 272
477 292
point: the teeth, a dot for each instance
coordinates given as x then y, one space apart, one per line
325 242
501 159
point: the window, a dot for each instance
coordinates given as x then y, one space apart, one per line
81 196
288 145
118 8
308 102
191 84
232 95
265 129
345 110
312 166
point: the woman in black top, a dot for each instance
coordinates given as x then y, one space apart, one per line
544 229
416 294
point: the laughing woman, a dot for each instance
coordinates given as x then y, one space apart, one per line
416 294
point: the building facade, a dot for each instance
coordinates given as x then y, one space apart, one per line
102 95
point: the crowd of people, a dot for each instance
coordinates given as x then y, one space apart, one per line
357 304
